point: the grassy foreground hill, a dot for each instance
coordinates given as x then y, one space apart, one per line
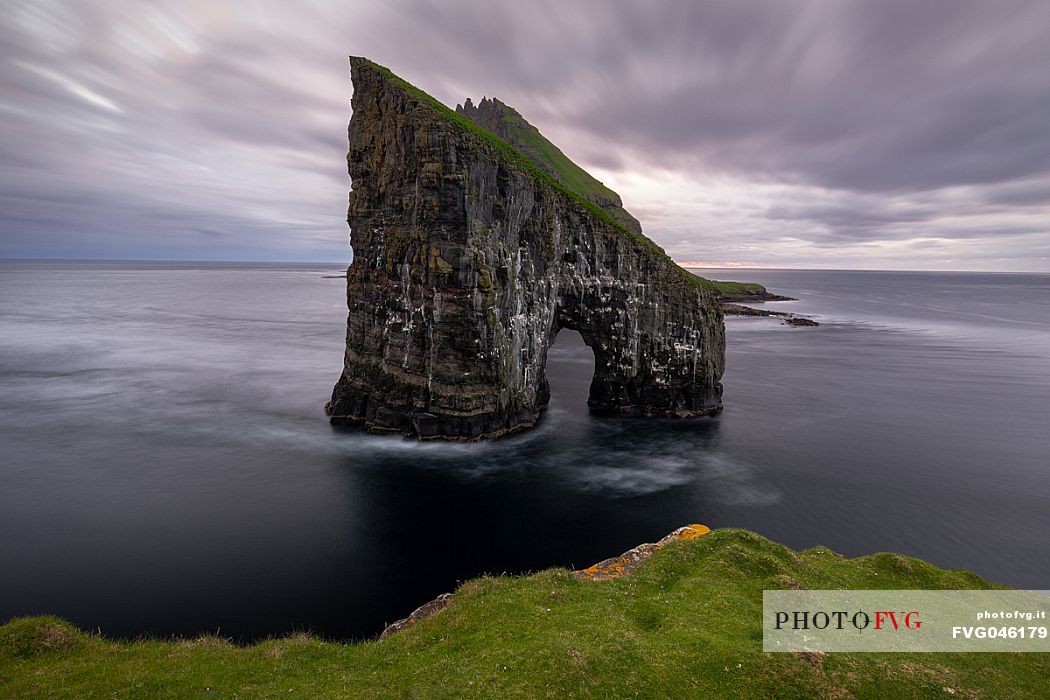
685 624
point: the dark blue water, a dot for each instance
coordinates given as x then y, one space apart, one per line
166 468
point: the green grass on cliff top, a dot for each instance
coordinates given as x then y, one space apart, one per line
575 177
685 625
519 160
509 154
730 287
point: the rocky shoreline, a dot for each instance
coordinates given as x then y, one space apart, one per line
732 307
787 318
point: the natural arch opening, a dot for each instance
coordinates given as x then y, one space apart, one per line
569 371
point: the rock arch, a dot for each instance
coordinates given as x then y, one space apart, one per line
467 262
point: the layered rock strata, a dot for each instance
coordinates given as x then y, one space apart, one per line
468 260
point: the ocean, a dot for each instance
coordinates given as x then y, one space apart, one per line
166 467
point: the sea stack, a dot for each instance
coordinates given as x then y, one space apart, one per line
470 256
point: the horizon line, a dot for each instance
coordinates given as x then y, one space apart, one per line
685 265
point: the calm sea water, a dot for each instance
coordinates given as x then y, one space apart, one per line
166 468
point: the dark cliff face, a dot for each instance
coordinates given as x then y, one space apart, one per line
467 263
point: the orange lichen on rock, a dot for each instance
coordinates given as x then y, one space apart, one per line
629 560
687 532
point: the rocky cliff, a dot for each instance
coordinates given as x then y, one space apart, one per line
468 260
507 123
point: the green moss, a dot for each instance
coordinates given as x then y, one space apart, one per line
686 624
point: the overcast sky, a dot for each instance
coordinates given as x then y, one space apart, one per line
910 134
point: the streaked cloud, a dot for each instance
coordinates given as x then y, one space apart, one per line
849 134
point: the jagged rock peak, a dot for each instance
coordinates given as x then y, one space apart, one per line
468 260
